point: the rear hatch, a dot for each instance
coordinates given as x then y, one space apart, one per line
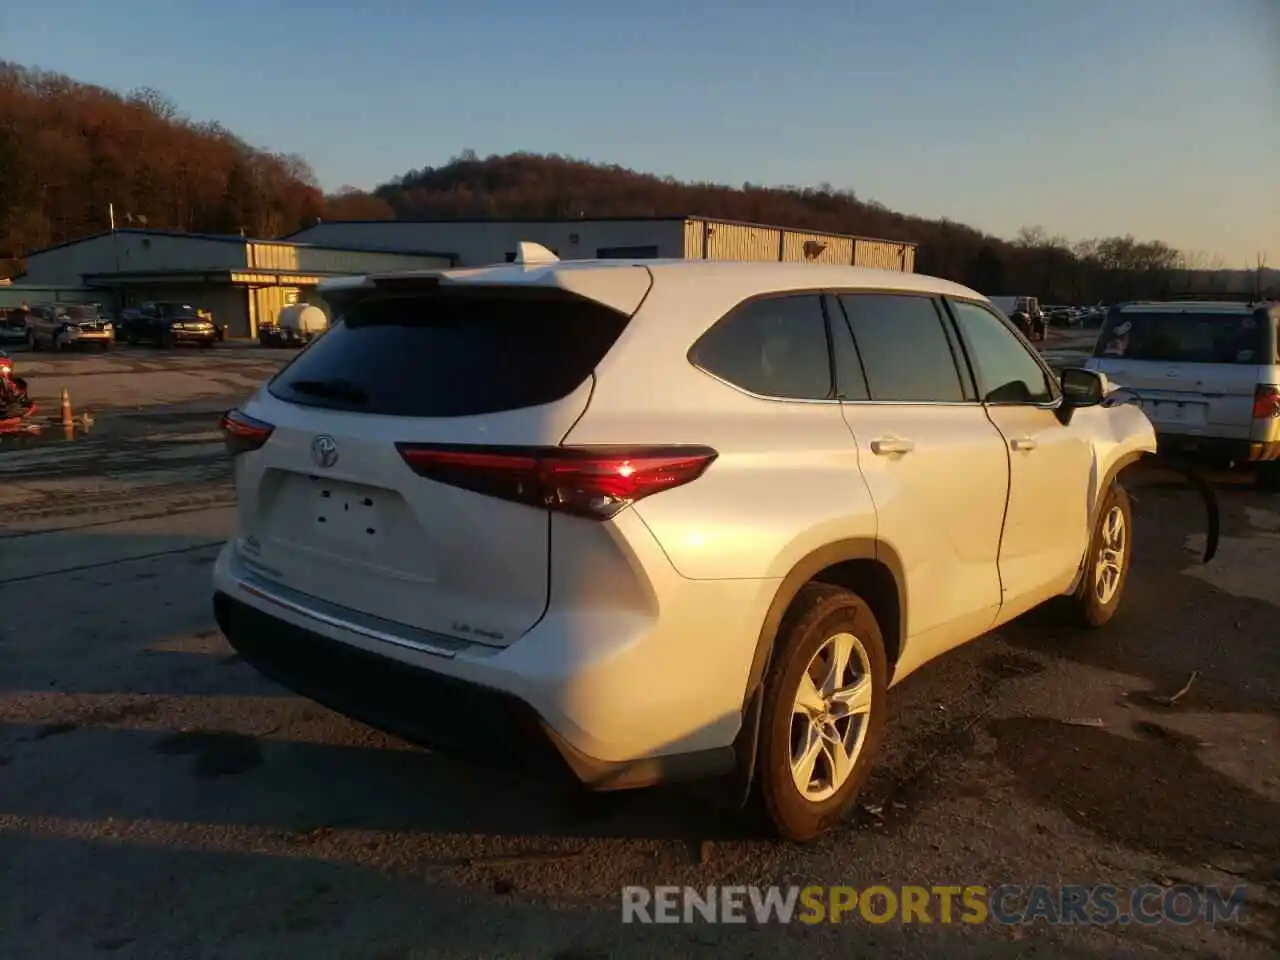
1195 369
329 505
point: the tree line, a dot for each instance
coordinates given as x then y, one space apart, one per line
1035 262
70 151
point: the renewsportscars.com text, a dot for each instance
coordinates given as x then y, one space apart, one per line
1100 905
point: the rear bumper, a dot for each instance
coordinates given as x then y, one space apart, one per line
1218 449
598 716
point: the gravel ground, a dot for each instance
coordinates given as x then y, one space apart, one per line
159 799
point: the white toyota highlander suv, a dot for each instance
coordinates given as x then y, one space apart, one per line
654 520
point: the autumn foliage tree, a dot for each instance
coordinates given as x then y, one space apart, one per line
533 186
70 150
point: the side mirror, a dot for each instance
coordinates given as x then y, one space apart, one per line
1081 388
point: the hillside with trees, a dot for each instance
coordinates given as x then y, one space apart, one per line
68 150
531 185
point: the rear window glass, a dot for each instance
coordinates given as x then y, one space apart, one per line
1187 337
452 354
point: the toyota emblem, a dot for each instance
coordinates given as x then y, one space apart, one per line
324 450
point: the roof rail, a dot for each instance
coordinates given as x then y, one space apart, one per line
528 252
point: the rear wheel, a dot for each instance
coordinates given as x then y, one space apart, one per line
824 710
1106 568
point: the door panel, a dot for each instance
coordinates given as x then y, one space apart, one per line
939 504
1046 526
935 465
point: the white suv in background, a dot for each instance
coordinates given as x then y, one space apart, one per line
1208 375
661 520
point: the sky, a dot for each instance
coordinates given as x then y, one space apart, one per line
1159 118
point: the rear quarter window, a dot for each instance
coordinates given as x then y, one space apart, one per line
452 354
1188 337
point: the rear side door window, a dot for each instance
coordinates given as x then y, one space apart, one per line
773 347
1004 369
906 353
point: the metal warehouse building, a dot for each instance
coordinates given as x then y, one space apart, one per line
485 241
242 281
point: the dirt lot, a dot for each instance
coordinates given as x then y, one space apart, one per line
158 799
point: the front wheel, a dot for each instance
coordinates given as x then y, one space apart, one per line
824 710
1106 568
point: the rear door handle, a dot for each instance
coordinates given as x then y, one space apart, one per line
1023 443
886 446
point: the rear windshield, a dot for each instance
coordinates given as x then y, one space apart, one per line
1188 337
453 354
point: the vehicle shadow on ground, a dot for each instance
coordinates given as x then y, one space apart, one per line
1151 791
1174 624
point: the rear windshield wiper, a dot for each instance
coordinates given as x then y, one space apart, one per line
334 389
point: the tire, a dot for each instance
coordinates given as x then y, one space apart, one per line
820 618
1093 605
131 338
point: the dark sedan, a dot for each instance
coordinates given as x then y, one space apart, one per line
166 324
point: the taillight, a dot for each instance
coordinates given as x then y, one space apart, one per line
595 482
242 433
1266 402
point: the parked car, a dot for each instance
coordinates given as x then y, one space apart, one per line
167 324
64 327
1207 374
1025 313
631 522
13 326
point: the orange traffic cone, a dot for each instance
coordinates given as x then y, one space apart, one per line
67 418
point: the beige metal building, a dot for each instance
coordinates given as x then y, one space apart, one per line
241 281
486 241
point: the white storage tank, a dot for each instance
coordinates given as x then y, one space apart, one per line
304 319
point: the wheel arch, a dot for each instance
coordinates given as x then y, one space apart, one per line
1095 510
865 565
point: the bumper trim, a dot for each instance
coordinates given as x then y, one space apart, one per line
459 717
1241 451
313 608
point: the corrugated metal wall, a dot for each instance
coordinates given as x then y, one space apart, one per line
817 248
740 241
720 240
880 254
302 259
